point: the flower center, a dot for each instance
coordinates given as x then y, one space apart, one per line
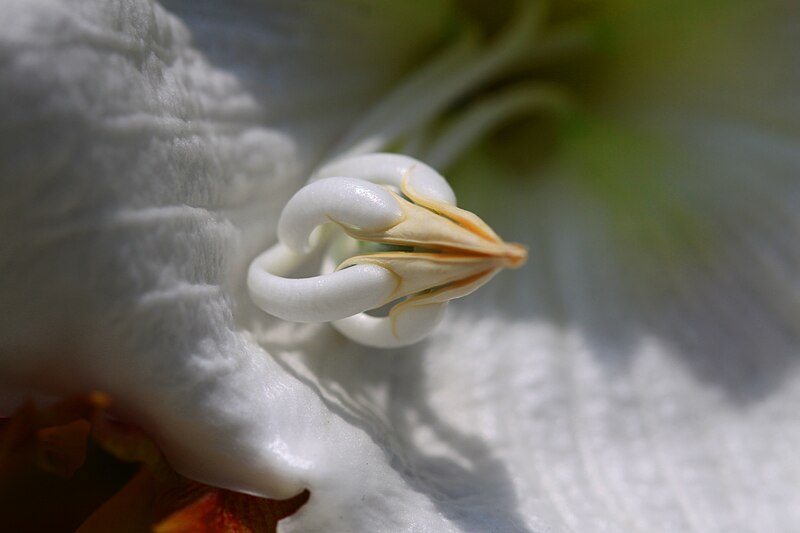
425 251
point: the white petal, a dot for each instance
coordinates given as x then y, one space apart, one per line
642 372
572 395
617 402
605 386
138 177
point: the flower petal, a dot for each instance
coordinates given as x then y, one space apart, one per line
599 388
138 177
641 372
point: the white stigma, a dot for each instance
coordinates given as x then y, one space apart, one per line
428 251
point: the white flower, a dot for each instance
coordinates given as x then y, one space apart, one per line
640 372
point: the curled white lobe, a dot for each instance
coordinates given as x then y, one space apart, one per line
424 250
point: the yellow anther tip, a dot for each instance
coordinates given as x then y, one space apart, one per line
515 255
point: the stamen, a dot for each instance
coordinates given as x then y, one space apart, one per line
446 252
563 41
489 113
371 133
448 77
